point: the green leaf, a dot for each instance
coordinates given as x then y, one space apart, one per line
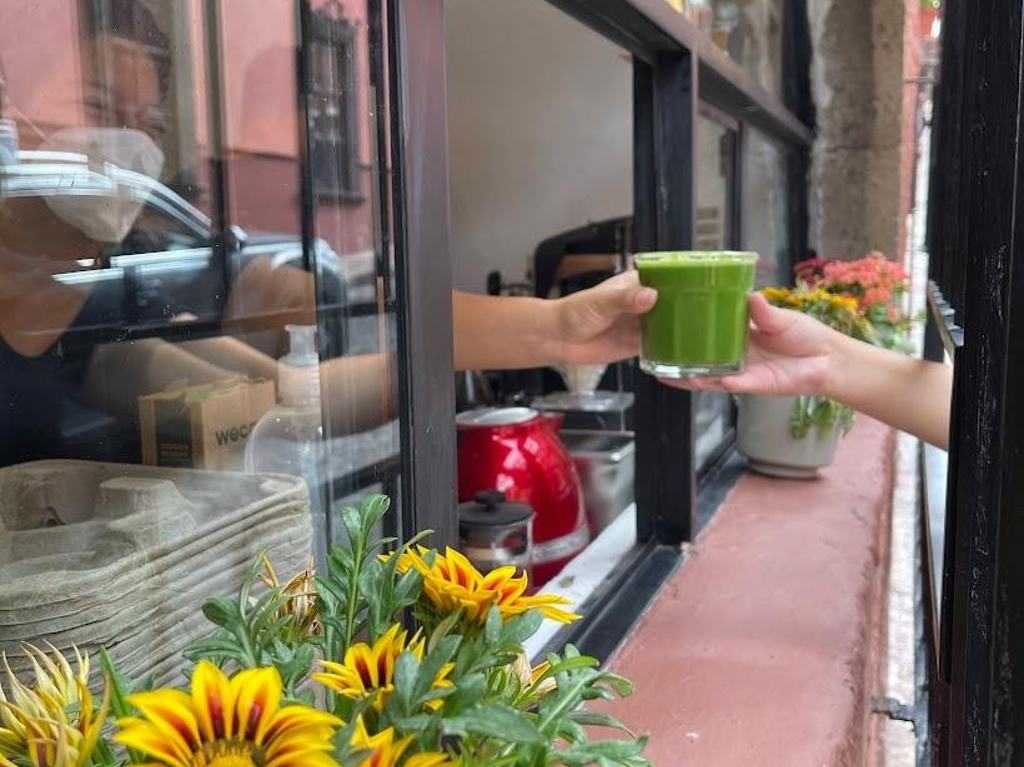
614 751
373 509
407 668
495 721
590 718
520 628
622 686
571 732
571 664
417 723
221 612
408 588
353 522
469 691
432 664
120 689
493 625
444 628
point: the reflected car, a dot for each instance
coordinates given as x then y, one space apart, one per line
171 261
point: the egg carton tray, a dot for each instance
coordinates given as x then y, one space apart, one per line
123 556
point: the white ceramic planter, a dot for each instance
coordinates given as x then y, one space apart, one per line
764 435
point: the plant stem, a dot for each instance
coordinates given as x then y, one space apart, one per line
352 597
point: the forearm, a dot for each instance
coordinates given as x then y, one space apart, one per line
360 392
910 394
493 332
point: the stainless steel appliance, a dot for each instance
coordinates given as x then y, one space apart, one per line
606 464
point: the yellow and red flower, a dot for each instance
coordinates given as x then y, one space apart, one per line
429 759
370 670
451 582
53 723
386 751
236 722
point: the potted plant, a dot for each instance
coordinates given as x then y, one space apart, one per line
322 671
794 437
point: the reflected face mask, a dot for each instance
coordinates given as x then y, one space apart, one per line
105 217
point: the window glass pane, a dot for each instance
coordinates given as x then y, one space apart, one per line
716 230
541 157
748 31
152 253
765 207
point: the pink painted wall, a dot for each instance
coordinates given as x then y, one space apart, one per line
40 53
259 76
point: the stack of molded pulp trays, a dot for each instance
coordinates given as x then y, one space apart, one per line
120 556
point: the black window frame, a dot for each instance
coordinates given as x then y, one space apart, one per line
972 639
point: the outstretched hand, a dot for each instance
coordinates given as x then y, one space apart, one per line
602 324
789 353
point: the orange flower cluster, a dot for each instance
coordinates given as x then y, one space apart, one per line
873 280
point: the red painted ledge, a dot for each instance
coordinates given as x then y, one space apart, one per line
765 647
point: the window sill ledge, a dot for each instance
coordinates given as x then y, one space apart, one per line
765 647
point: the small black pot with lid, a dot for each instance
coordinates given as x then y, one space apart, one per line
496 532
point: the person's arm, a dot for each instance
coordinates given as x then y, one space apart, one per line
910 394
591 326
358 391
793 354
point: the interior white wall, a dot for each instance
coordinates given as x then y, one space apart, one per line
540 132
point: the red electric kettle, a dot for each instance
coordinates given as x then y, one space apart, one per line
516 451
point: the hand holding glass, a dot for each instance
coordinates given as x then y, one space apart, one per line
698 327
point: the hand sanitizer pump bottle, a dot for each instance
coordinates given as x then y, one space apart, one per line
288 439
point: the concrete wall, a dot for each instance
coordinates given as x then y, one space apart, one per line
540 132
857 75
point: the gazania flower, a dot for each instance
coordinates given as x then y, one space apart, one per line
52 723
531 677
451 583
301 593
429 759
384 750
237 722
369 671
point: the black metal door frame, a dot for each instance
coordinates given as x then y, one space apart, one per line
977 315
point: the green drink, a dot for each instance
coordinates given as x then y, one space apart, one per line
699 325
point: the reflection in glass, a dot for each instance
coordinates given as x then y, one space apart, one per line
716 230
154 246
749 32
765 207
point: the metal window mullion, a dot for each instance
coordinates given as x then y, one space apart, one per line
221 212
665 113
416 48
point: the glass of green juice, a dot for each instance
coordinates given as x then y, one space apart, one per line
698 327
